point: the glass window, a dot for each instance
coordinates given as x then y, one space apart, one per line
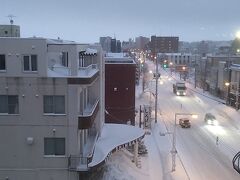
48 104
26 63
13 105
34 62
59 104
65 59
30 63
54 104
3 104
2 62
54 146
9 104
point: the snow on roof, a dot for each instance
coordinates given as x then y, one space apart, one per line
116 55
235 67
112 136
91 51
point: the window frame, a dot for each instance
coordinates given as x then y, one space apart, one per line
3 70
30 63
8 105
54 105
55 154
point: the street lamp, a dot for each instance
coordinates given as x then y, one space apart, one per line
174 150
236 92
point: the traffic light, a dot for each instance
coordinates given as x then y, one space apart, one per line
165 64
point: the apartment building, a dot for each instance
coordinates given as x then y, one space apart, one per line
51 107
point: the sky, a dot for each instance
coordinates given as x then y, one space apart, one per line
85 21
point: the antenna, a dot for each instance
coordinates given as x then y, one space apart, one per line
10 16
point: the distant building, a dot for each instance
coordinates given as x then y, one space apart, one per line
119 46
177 58
163 44
203 48
106 43
141 42
113 45
9 30
120 75
127 45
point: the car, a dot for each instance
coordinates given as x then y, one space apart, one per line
184 123
210 119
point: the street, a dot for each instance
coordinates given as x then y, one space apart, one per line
201 156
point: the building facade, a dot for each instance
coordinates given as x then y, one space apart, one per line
51 107
163 44
9 31
120 73
141 42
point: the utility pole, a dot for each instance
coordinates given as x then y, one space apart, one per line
156 92
195 73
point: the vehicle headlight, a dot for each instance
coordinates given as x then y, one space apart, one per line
184 93
178 93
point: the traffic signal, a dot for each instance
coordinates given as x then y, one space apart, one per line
165 64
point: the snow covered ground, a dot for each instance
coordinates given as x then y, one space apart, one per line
199 156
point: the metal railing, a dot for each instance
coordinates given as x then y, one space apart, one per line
78 163
88 69
89 109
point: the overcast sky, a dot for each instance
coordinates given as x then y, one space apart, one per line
86 20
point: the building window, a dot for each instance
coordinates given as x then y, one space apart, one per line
65 59
54 104
2 62
54 146
9 104
30 63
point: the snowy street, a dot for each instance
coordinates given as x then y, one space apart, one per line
203 151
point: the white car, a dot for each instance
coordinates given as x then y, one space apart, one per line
210 119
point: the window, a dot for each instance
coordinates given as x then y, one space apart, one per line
30 62
54 104
9 104
65 59
2 62
54 146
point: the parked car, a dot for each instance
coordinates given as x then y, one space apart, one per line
210 119
184 123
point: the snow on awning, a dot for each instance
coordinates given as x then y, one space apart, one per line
89 52
113 136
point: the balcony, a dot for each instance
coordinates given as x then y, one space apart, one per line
87 117
86 75
88 71
80 163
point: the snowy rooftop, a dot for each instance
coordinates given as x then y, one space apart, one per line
235 67
113 136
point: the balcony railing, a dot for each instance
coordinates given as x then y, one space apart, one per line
89 109
86 71
78 163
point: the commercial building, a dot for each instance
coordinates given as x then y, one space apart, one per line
120 75
164 44
141 42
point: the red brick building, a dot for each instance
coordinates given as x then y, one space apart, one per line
120 90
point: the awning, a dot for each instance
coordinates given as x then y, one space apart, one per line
113 137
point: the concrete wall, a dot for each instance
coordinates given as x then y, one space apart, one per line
15 48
